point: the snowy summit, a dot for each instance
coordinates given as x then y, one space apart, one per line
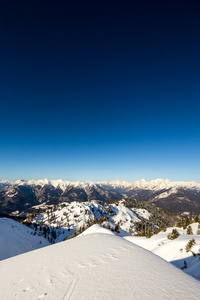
95 265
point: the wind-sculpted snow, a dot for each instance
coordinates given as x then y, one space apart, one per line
94 266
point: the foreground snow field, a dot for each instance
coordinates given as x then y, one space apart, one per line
95 265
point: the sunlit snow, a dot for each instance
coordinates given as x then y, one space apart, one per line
96 265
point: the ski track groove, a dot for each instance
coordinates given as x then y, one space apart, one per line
69 293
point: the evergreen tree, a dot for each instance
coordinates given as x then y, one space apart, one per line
45 232
149 232
180 223
53 234
198 230
189 230
117 228
189 245
173 235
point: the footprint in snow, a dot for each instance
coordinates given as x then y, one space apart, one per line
125 249
93 264
44 268
18 281
42 296
109 257
66 273
83 265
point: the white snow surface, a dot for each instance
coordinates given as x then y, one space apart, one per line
4 183
16 238
143 213
96 229
75 215
124 216
173 250
94 266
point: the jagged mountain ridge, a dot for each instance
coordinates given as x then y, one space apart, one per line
19 196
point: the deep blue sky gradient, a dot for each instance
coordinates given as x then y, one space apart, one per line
100 90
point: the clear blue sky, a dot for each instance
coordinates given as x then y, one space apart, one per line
100 90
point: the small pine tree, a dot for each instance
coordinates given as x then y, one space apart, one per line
45 232
173 235
108 225
68 227
149 232
117 228
180 223
184 225
189 230
58 224
53 234
198 230
189 245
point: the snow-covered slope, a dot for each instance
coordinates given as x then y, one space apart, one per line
94 266
174 250
69 217
16 238
4 183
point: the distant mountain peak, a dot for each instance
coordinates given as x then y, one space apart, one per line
177 196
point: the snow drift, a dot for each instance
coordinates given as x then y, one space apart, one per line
95 265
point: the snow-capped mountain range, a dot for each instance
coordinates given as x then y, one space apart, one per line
156 184
19 196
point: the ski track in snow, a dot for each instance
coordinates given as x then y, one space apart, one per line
72 288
